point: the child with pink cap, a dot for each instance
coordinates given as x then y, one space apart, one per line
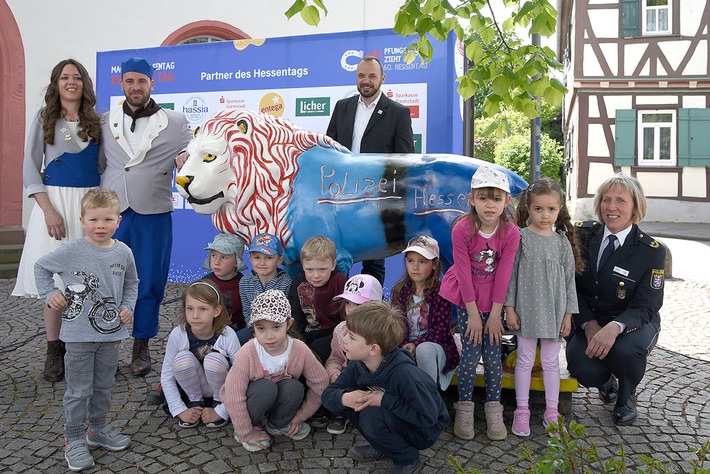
359 289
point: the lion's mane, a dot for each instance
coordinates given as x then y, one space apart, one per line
264 158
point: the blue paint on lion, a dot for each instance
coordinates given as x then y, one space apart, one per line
372 204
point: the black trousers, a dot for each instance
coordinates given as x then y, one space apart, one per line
626 360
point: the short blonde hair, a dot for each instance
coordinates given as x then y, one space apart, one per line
319 247
378 322
628 183
100 197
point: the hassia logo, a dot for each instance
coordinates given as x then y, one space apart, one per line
313 107
195 109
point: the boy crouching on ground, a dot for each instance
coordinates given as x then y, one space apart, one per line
391 402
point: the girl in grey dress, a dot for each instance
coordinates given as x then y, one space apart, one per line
541 296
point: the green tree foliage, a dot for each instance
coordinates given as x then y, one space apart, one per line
509 146
510 73
513 152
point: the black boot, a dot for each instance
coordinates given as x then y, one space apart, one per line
54 363
140 363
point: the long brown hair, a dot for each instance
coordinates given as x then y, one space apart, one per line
431 285
563 224
208 293
505 218
89 122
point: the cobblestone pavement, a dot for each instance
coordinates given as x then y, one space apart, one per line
674 411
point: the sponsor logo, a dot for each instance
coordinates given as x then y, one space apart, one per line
413 111
195 109
350 58
313 107
273 104
167 105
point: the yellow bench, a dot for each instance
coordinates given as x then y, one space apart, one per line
568 384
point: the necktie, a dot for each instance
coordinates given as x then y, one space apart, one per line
608 250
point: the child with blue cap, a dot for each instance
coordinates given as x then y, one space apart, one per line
265 254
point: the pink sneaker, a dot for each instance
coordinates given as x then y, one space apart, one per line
551 416
521 421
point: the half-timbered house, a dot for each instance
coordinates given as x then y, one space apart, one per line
638 74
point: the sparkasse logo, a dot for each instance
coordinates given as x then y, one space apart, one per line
312 106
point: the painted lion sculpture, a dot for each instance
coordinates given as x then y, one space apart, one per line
259 173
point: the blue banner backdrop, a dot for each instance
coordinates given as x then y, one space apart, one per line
299 78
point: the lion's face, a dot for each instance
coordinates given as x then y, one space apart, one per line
207 179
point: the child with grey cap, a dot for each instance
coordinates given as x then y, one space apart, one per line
225 261
263 392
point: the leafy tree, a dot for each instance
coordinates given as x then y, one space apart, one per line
508 72
513 152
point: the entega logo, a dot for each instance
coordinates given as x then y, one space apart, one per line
313 107
195 109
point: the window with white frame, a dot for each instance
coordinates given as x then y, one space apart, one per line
656 17
657 138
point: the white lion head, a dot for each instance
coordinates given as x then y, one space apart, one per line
241 170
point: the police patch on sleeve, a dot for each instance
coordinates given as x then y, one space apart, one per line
657 279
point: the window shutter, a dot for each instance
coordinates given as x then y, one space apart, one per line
693 137
629 18
625 139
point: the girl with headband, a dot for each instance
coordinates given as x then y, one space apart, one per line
198 355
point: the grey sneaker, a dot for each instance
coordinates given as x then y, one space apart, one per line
337 424
409 468
365 453
109 438
303 432
77 455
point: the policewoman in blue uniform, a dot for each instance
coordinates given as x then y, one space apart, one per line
620 293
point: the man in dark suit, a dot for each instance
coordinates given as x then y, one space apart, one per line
372 123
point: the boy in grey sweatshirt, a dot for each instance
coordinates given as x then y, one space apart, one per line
101 283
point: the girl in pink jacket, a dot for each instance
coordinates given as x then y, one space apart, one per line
262 393
484 245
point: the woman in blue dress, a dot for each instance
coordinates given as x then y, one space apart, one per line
60 165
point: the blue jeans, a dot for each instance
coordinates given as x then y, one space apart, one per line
90 372
471 354
392 436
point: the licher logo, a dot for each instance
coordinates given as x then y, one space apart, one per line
313 107
272 104
348 63
195 109
167 105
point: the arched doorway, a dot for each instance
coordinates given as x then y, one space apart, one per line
12 118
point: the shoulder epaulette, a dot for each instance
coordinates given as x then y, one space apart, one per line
585 224
648 240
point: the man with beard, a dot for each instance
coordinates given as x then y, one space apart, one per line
372 123
141 149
